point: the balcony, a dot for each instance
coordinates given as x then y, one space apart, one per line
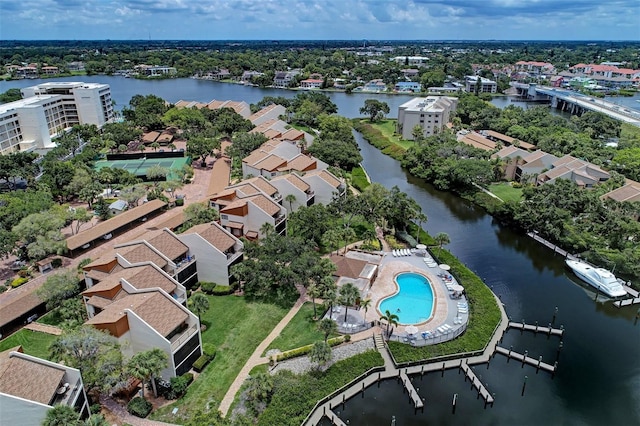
233 256
67 392
184 263
279 219
310 195
179 339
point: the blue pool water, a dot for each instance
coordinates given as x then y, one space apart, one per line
413 303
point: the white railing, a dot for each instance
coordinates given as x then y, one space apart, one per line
178 340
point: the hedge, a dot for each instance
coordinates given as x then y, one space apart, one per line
18 282
201 362
179 385
139 407
303 350
217 289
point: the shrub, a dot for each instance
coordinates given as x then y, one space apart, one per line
201 362
303 350
179 385
207 287
95 408
217 289
179 201
18 282
83 263
209 349
139 407
3 288
56 262
23 273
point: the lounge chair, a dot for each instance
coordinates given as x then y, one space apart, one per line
394 253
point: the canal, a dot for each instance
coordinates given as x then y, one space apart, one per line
598 380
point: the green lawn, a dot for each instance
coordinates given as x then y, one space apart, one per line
236 327
302 330
388 129
506 192
33 342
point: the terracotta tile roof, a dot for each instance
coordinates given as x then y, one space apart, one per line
110 225
156 309
326 176
215 235
30 380
167 243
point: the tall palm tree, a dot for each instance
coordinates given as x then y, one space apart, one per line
320 353
199 304
349 293
146 365
365 304
327 326
421 218
313 290
391 319
290 198
441 239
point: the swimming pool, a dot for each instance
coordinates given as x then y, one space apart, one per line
413 303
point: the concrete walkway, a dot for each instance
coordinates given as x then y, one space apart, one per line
256 358
44 328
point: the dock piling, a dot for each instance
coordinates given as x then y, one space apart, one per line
524 358
524 385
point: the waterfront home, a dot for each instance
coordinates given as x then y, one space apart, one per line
486 85
375 86
31 386
268 113
284 79
325 185
216 250
311 83
294 190
431 114
407 86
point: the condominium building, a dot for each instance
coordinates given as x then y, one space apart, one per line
30 387
486 85
431 114
47 110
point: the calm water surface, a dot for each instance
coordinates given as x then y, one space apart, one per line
598 382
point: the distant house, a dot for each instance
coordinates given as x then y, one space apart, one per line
583 173
311 83
216 250
117 207
284 79
629 192
486 85
49 70
376 86
247 76
408 86
30 386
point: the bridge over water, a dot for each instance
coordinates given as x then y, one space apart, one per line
577 103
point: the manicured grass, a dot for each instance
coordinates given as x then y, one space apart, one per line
295 395
33 342
388 129
506 192
484 317
375 137
359 179
302 330
236 327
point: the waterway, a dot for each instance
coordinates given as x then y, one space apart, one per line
173 90
598 381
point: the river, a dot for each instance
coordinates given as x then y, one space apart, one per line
598 381
173 90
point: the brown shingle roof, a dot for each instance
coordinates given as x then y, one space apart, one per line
347 267
326 176
214 235
293 135
271 163
166 243
150 137
295 180
265 204
300 163
110 225
140 252
263 185
255 157
30 380
629 192
156 309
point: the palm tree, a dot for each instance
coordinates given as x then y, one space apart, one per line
146 365
199 304
330 295
313 290
320 353
391 319
155 146
327 326
267 229
60 415
290 198
421 218
365 304
349 293
95 420
441 239
172 147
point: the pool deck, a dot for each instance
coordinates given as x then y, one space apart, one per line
444 308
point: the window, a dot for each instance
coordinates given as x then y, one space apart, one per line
224 217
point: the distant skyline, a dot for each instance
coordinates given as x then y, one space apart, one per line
320 19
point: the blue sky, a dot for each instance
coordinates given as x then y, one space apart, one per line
320 19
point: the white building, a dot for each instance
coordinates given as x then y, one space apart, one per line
30 386
486 85
48 109
431 114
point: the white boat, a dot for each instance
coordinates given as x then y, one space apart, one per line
599 278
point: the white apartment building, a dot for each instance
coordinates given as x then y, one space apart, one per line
46 110
431 114
486 85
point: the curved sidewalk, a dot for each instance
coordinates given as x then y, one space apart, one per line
256 358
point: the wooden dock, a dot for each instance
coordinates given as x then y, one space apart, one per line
476 383
537 329
631 291
526 359
550 245
626 302
413 394
335 419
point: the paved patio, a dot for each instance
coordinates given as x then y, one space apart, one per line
445 310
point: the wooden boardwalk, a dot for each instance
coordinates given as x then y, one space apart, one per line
626 302
413 394
476 383
526 359
537 329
